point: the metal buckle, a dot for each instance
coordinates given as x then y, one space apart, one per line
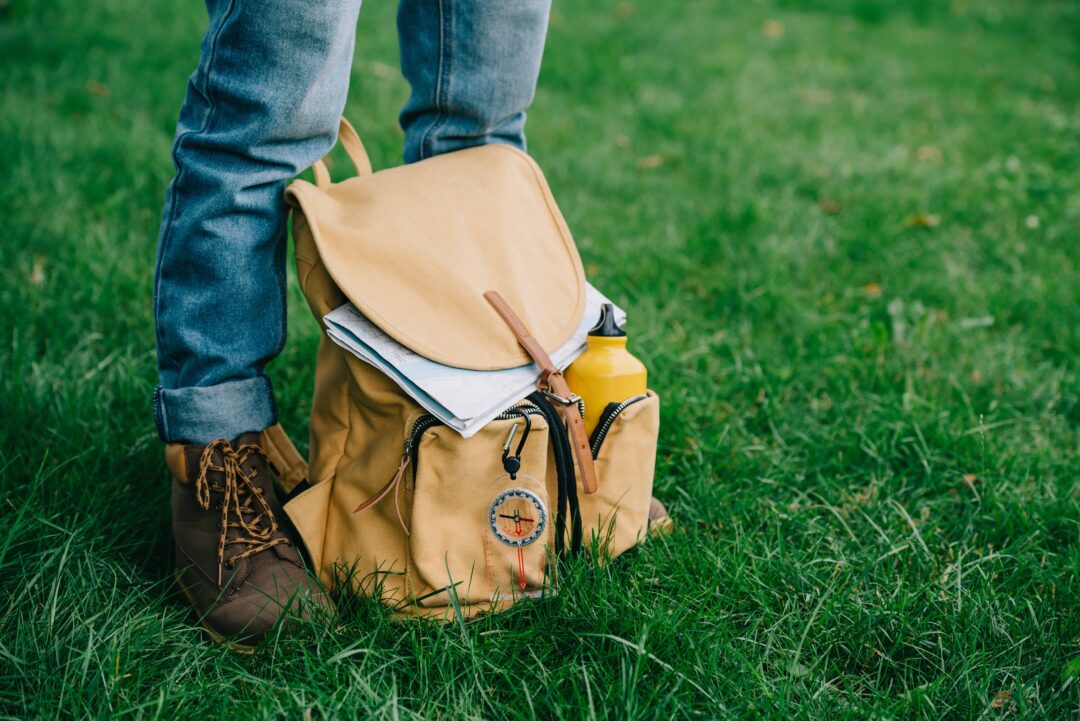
574 398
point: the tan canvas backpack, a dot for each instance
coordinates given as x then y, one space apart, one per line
401 507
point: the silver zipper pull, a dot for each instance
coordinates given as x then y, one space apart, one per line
512 463
509 439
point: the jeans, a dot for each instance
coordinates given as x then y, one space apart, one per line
263 105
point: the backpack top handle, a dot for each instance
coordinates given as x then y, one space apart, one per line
353 147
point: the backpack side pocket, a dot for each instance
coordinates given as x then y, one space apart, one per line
616 517
472 527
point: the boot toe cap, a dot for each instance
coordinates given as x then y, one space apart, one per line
246 614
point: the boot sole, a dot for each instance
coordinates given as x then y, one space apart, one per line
214 635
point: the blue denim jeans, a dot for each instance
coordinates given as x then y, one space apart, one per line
263 105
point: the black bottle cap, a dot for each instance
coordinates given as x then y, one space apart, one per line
607 326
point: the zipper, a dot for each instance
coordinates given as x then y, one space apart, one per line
539 405
607 419
412 448
428 421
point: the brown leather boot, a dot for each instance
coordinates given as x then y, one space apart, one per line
234 561
660 523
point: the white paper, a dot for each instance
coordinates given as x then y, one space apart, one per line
465 400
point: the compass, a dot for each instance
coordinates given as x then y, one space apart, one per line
517 517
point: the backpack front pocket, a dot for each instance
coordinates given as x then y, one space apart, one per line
616 517
481 521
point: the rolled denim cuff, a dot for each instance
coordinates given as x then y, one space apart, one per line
201 415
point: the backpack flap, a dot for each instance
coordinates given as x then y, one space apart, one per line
416 247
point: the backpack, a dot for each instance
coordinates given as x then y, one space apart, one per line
397 505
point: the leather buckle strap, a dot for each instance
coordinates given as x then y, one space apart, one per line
554 386
288 465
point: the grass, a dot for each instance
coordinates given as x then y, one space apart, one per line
846 233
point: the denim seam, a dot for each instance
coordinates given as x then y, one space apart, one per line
270 398
207 92
446 27
159 414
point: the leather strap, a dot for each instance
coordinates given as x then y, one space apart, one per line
391 486
553 384
289 466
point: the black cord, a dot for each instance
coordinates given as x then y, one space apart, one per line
564 467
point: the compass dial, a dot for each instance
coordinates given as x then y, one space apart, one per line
517 517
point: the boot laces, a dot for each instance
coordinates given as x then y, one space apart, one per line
244 509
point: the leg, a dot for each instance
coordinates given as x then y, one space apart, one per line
262 105
472 65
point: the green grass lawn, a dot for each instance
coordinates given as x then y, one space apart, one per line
847 233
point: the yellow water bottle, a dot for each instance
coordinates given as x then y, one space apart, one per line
606 372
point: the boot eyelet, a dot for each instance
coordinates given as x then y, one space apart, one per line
233 592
